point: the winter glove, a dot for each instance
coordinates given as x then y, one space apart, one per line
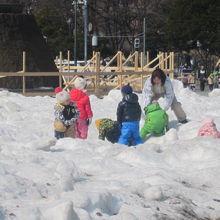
145 111
59 126
89 121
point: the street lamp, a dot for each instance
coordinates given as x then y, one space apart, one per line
85 18
75 32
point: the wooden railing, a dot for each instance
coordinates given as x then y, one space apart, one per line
108 76
96 81
135 62
138 62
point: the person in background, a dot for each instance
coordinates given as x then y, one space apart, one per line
108 129
156 121
192 81
102 62
186 68
128 116
66 115
216 75
202 76
211 82
82 101
159 85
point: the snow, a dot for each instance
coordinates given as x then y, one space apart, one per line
175 176
215 92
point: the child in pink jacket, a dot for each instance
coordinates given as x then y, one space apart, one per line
82 101
208 128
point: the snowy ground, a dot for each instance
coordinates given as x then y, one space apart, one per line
176 176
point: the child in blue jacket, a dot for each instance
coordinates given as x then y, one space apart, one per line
128 115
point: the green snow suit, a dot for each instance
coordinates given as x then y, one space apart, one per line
156 121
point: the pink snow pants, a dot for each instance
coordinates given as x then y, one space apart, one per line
81 129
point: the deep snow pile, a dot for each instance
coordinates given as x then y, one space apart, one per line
176 176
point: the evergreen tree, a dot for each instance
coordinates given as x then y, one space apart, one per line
194 24
58 33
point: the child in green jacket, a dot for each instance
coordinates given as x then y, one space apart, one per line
156 121
215 76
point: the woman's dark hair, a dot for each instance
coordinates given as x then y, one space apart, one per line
159 74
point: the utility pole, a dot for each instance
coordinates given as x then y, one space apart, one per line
85 15
144 37
75 33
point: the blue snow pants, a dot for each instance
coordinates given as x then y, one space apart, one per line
58 134
130 134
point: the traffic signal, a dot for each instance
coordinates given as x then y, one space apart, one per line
136 43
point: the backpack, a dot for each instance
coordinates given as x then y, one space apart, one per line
113 134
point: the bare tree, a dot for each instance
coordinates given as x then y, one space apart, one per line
125 18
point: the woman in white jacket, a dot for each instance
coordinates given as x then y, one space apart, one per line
159 85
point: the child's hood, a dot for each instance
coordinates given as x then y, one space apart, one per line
59 107
152 108
77 95
131 98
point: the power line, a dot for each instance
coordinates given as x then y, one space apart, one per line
121 36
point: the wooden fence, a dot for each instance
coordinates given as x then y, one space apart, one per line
96 82
136 62
134 70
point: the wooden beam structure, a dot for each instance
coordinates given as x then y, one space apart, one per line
134 70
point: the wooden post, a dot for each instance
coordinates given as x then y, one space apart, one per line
97 69
142 66
162 57
170 61
165 61
60 77
120 68
159 60
94 55
68 60
172 66
118 65
24 70
136 61
68 63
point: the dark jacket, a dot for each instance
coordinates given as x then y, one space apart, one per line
129 109
202 76
66 114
